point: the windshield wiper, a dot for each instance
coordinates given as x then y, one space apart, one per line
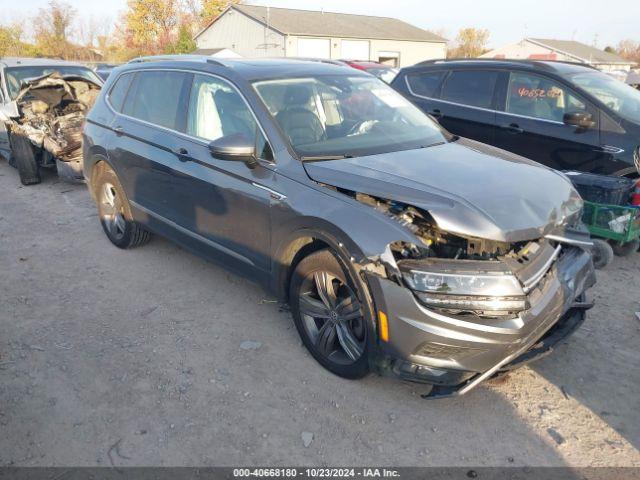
321 158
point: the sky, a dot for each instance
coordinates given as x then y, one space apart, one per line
601 23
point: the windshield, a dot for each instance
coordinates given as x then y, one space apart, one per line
619 97
16 75
345 116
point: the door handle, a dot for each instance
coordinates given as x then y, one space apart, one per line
436 113
512 128
182 154
119 131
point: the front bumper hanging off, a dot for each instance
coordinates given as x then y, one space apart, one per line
456 354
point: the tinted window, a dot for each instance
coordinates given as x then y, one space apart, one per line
119 91
541 97
425 84
470 87
155 98
217 110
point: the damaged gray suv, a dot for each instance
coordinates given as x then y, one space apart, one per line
400 248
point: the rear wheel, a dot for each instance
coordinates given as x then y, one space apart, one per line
329 315
625 249
115 212
24 158
602 253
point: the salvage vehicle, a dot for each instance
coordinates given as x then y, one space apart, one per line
564 115
400 248
43 103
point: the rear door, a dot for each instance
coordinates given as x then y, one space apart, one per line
530 123
465 105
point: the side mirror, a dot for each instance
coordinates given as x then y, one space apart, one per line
579 119
236 147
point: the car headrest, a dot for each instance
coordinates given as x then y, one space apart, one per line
297 95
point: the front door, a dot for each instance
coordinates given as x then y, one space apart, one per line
226 202
531 124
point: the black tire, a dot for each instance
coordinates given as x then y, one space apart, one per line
602 253
115 212
345 351
625 249
24 158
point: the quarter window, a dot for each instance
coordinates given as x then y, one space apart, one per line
540 97
470 87
217 110
425 84
119 91
156 98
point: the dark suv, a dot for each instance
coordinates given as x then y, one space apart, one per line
564 115
400 248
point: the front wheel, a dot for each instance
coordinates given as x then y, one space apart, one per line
115 212
329 315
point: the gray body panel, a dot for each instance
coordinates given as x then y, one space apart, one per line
469 188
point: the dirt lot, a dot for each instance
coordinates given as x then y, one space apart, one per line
137 358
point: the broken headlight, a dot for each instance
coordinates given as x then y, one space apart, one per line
467 292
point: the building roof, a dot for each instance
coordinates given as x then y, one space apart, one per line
328 24
581 51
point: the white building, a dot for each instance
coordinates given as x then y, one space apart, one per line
565 50
255 31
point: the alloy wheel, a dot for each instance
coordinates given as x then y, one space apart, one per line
332 317
112 211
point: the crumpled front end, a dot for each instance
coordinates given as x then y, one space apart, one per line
455 310
456 349
52 110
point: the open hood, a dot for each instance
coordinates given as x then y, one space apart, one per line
469 188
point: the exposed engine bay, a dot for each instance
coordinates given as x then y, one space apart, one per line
435 242
51 113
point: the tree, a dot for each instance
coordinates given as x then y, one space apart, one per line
11 41
150 24
184 43
629 49
211 9
52 28
469 43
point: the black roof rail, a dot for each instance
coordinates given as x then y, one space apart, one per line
504 60
174 58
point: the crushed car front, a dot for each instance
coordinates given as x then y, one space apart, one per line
493 263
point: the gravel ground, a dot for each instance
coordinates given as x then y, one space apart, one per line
155 357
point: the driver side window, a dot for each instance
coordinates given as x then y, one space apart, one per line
217 110
540 97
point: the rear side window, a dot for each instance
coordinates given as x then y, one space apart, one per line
119 91
424 84
470 87
155 97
